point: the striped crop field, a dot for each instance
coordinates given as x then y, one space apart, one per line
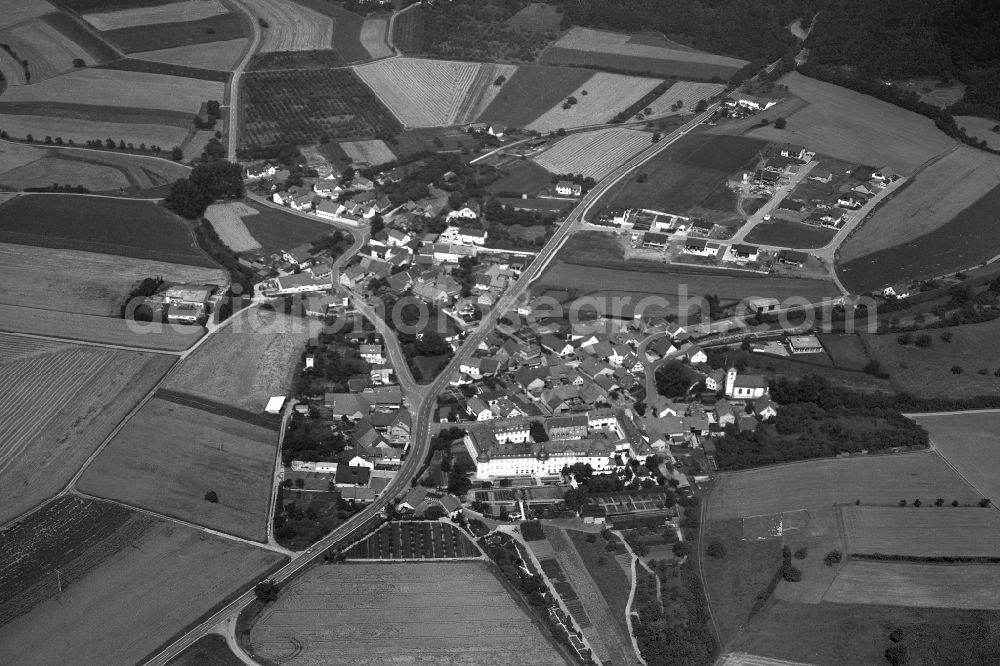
926 531
48 51
421 93
185 10
227 220
688 94
291 26
598 99
483 90
595 153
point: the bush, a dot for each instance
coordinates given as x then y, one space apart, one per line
801 553
682 549
716 549
904 339
917 502
780 123
833 557
956 369
210 496
791 574
924 340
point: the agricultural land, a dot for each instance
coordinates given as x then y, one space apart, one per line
372 152
531 91
421 93
925 531
129 578
226 219
471 615
210 650
981 128
968 442
170 454
406 540
348 28
65 122
598 100
594 154
933 586
60 401
219 28
214 55
48 51
189 10
277 230
291 26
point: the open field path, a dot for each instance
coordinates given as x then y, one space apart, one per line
631 594
233 92
699 555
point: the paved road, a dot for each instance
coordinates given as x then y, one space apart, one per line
233 127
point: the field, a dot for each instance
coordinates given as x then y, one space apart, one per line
14 155
215 55
980 128
186 10
372 36
226 220
252 359
599 98
126 593
928 372
210 650
12 70
790 234
408 31
291 26
880 480
347 27
86 282
47 50
685 93
927 531
142 173
936 196
414 540
598 48
367 614
60 402
595 153
137 229
483 91
530 92
19 11
420 93
302 106
48 170
219 28
521 177
928 585
857 128
278 230
373 151
846 351
65 123
169 455
968 442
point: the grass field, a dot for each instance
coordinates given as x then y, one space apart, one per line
462 605
59 402
138 229
537 16
599 99
12 70
48 170
609 578
184 10
685 93
483 90
249 361
981 129
210 650
169 455
291 26
48 51
373 151
595 153
14 155
373 33
143 173
521 176
420 93
790 234
226 220
928 372
968 441
530 92
347 27
86 282
934 198
880 480
857 128
846 351
214 55
19 11
136 587
63 124
926 531
928 585
220 28
278 230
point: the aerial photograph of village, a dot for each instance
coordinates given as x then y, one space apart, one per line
499 332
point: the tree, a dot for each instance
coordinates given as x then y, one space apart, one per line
716 549
791 574
79 62
939 501
924 340
917 502
780 123
267 591
905 339
500 80
897 655
801 553
674 380
833 557
984 502
176 154
956 369
210 496
682 549
300 482
902 502
701 106
538 433
947 336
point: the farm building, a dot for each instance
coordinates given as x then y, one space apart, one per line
275 404
188 294
295 284
804 344
750 102
792 258
463 236
567 188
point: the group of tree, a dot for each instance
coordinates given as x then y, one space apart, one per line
189 197
675 380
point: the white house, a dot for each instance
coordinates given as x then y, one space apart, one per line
568 188
751 102
295 284
463 236
745 387
257 171
464 213
896 291
496 459
701 248
372 354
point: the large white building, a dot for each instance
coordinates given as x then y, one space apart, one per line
508 459
745 387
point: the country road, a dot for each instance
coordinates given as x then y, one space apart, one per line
233 125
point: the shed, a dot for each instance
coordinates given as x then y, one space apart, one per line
275 404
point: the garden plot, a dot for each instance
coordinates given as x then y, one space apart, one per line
226 219
186 10
594 154
47 50
414 540
291 26
373 151
597 101
921 585
420 93
212 55
371 614
926 531
373 32
483 90
685 93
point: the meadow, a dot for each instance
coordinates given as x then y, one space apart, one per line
209 650
220 28
373 151
291 26
846 351
521 176
482 91
188 10
66 123
23 10
926 531
856 128
463 605
81 393
48 170
347 27
790 234
683 97
594 154
136 587
137 229
277 230
213 55
968 442
599 99
530 92
981 129
48 51
168 456
372 36
929 585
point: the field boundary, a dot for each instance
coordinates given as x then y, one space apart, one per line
219 408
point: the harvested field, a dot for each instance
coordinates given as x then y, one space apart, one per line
483 91
968 441
420 93
373 33
277 230
48 170
291 26
980 128
226 220
782 233
250 360
71 128
346 28
14 155
531 91
219 28
137 587
86 282
169 455
138 229
857 128
598 100
880 480
214 55
596 153
59 402
414 540
927 531
462 605
143 172
935 197
47 50
373 152
926 585
687 94
212 650
185 10
13 12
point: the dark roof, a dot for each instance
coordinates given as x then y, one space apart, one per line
357 476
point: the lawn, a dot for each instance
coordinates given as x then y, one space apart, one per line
521 177
278 230
219 28
169 456
533 90
790 234
138 229
210 650
925 531
929 372
673 67
463 605
846 351
127 595
969 442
